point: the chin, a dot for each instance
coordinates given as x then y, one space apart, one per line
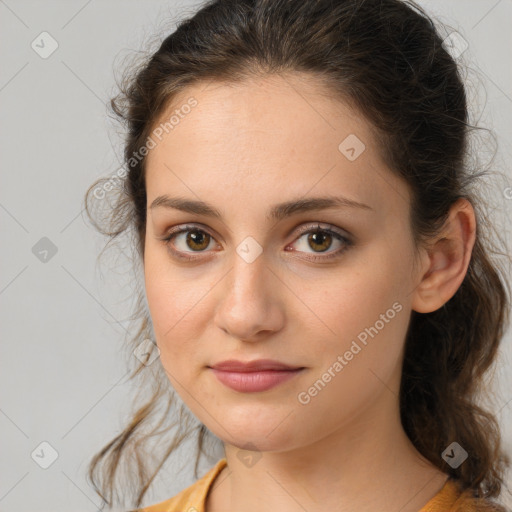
257 443
260 428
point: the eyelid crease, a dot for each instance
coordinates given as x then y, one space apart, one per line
306 227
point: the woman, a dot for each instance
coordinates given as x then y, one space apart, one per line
261 135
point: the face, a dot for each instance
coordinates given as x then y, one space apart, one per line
327 290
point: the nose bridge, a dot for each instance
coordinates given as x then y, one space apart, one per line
247 306
249 273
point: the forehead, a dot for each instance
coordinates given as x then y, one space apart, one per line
288 106
267 136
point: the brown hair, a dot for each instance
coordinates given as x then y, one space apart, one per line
386 58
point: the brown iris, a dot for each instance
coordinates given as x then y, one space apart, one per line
319 238
198 237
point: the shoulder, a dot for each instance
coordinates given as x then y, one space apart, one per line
452 498
469 503
191 499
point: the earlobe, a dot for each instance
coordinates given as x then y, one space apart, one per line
446 259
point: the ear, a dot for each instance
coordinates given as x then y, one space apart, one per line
446 259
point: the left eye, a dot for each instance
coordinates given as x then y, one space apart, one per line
318 238
321 239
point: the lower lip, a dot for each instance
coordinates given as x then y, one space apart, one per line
250 382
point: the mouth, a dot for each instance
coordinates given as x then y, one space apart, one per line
255 376
251 366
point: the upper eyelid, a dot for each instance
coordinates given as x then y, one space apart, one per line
305 228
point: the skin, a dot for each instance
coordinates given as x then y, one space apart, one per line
244 148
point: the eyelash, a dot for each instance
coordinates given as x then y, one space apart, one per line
309 229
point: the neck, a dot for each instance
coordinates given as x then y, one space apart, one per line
368 465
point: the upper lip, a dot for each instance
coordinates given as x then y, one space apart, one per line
251 366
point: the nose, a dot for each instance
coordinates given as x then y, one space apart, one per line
251 306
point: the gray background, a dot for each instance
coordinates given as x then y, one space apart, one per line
63 367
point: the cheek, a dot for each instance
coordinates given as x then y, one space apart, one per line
170 300
358 297
363 358
367 311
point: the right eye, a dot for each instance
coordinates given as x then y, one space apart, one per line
195 238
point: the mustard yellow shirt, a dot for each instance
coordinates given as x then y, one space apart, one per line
192 499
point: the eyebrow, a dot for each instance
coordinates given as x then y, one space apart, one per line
276 213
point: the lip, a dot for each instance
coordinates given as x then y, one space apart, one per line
232 365
253 376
